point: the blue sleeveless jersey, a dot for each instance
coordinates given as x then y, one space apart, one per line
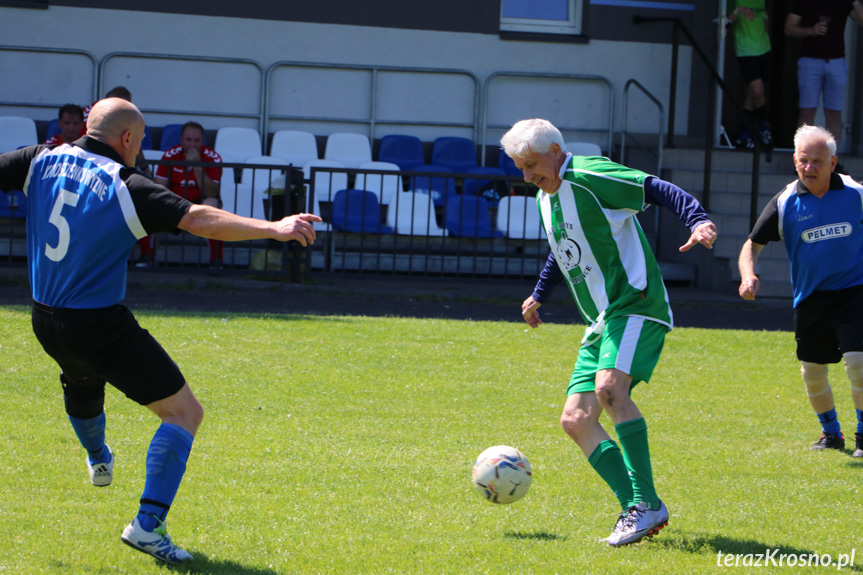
81 225
823 236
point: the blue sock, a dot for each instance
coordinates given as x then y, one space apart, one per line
860 421
829 422
91 434
166 464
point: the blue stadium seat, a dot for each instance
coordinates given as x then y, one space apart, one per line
440 187
13 205
458 154
358 211
53 129
468 217
147 142
506 164
404 151
170 136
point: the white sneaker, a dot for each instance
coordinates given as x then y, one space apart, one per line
636 523
156 542
101 474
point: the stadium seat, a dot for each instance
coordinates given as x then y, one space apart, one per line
147 142
237 144
349 149
518 217
468 217
439 187
413 214
506 164
404 151
324 186
358 211
170 136
384 186
485 187
17 132
295 146
583 149
13 205
457 154
152 154
53 129
247 197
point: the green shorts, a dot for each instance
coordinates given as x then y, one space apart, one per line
631 344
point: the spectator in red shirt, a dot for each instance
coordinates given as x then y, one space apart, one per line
197 184
70 120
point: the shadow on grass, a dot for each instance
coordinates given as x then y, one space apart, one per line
203 564
749 551
539 536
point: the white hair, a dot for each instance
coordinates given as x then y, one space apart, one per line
806 132
528 136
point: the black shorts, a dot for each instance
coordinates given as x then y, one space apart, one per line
755 67
93 346
829 323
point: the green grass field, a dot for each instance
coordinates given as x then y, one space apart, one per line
345 445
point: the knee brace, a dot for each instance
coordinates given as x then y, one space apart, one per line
85 398
853 361
815 378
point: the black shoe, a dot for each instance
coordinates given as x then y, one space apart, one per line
858 451
143 262
829 441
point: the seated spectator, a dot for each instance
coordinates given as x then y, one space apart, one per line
70 120
116 92
197 184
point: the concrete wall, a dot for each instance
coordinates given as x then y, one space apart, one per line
161 86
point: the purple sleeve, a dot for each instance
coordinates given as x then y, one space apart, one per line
549 277
669 196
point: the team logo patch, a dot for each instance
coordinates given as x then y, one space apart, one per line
829 232
568 253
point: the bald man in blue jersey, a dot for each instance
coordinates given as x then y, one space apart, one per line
87 206
819 217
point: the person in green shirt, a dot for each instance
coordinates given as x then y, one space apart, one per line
752 46
588 207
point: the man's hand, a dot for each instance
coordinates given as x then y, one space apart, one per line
704 234
298 227
749 288
528 311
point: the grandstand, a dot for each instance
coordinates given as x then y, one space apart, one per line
364 75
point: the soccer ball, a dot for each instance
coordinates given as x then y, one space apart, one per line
501 474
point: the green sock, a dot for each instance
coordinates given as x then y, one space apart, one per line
636 455
607 460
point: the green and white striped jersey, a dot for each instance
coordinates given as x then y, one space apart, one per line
599 244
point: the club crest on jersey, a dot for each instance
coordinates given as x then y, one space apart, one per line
828 232
568 253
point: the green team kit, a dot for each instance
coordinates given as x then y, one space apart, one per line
608 265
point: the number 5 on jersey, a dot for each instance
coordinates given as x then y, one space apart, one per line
64 199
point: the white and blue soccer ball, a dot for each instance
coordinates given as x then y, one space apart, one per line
502 474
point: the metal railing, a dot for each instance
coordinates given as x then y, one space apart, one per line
373 118
259 116
660 131
608 129
69 52
760 145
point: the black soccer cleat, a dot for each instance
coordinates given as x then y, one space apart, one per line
829 441
858 446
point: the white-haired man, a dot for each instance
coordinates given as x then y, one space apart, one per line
588 207
820 219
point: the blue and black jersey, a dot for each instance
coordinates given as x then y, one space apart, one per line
823 236
85 212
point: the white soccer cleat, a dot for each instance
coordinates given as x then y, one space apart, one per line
101 474
156 543
636 523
